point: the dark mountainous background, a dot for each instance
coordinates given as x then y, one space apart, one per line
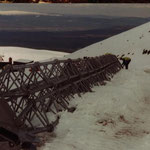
61 33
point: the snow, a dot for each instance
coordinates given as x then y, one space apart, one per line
114 116
131 41
23 60
30 54
15 12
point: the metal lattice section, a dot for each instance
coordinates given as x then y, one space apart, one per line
37 92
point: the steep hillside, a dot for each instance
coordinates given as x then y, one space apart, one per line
115 116
131 43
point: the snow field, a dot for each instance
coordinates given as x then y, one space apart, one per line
113 117
29 54
132 41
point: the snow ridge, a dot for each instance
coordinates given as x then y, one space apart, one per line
28 53
131 43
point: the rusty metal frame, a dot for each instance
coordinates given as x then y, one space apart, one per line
39 91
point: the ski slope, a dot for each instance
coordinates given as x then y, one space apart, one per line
29 54
114 116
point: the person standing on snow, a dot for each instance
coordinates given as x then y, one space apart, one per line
125 61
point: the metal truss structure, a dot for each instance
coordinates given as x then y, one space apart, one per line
31 95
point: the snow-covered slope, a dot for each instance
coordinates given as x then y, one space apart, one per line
114 116
30 54
132 41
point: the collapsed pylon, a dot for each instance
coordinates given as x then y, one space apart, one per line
33 94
